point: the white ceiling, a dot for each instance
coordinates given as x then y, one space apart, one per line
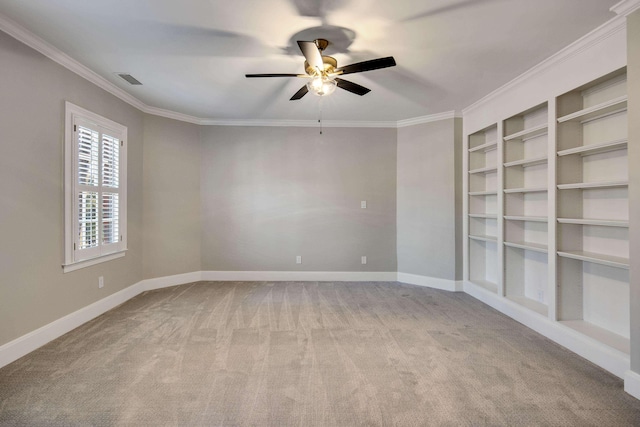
191 55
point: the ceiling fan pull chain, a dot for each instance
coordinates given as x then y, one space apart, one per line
320 119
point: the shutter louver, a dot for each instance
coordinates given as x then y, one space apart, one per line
87 156
110 223
110 161
87 219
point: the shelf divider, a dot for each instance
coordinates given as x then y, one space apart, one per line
588 185
527 162
492 145
483 215
528 133
608 260
483 238
603 147
599 222
526 218
604 109
483 193
537 247
525 190
488 169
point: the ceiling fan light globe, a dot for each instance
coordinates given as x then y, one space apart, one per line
322 86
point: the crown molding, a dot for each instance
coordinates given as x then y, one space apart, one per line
625 7
301 123
603 32
174 115
25 36
428 119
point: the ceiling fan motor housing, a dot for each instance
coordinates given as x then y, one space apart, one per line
329 63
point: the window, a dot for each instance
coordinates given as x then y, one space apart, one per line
95 189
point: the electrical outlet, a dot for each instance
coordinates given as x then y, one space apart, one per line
299 259
101 282
363 204
363 259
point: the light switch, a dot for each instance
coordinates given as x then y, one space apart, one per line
363 259
363 204
298 259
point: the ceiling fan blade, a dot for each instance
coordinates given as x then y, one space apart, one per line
271 75
372 64
299 94
311 54
352 87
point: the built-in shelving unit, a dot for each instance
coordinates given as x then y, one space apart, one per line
549 214
593 211
483 207
526 138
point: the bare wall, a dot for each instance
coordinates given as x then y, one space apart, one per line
33 289
428 192
171 197
270 194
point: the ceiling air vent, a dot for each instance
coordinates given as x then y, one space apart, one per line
129 79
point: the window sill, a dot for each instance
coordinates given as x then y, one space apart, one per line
66 268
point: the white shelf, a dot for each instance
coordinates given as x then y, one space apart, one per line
599 222
490 169
490 286
484 238
528 133
526 218
604 109
484 215
483 193
485 147
533 305
587 150
527 162
525 190
611 261
537 247
616 341
588 185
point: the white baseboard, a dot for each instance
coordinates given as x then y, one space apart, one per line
632 383
594 351
25 344
431 282
288 276
610 359
168 281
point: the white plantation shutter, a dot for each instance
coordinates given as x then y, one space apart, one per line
95 187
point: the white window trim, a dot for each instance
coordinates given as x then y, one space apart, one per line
72 112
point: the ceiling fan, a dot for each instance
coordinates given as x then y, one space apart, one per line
323 71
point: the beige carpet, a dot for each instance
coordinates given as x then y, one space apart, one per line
308 354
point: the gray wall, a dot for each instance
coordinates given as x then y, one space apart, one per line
429 203
269 194
33 289
171 198
633 78
212 198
